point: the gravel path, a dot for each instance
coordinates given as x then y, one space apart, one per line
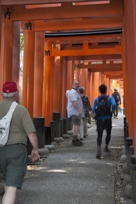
72 175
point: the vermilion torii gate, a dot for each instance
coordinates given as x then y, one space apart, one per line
50 63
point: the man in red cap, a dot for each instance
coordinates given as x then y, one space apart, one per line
13 155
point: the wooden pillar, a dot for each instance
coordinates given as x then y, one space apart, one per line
57 84
88 88
102 78
64 86
108 85
47 84
89 84
130 64
28 73
91 88
110 91
6 48
84 79
77 70
70 74
38 73
77 73
1 71
16 52
95 84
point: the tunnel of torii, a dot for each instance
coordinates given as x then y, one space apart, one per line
92 41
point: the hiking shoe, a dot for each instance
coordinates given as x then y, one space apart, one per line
106 149
98 156
85 136
77 142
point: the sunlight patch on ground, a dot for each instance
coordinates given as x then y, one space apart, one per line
78 161
36 168
110 164
57 171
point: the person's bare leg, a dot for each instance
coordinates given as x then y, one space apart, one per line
9 196
75 130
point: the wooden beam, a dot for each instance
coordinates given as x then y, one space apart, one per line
89 38
76 24
67 11
101 67
113 73
20 2
94 57
105 69
116 77
102 51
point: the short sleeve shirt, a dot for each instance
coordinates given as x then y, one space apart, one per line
73 95
21 123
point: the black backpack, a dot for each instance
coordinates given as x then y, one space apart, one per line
103 107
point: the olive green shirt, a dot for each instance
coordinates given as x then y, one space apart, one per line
21 123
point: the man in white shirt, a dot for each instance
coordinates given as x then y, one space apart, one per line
75 112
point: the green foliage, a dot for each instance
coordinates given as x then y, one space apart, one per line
22 41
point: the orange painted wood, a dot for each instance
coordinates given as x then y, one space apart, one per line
57 84
70 74
102 51
64 87
114 9
95 57
20 2
1 67
88 84
91 88
90 38
38 73
16 52
102 78
6 49
77 74
103 23
108 85
127 102
95 84
130 63
47 85
83 78
28 76
101 67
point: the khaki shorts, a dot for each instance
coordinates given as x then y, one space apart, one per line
13 164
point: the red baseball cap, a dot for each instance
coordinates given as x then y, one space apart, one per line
9 87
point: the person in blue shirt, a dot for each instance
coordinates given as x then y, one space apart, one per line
103 108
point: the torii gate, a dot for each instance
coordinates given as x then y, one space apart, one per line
38 17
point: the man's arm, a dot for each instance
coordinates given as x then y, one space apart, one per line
33 140
89 108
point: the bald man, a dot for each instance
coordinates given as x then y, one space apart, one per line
75 112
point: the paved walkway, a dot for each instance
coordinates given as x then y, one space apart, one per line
72 175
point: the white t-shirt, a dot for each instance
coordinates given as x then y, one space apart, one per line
73 95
